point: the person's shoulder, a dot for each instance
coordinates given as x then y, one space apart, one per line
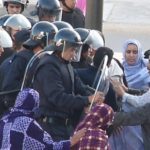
25 53
48 60
77 10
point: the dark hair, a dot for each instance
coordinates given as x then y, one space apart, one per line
147 54
20 38
99 55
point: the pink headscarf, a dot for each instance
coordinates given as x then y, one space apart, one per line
81 4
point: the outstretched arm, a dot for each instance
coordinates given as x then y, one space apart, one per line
139 116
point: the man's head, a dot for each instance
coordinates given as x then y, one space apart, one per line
15 6
93 38
42 34
68 41
49 10
16 23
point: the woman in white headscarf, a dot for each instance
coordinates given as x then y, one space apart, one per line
135 66
137 76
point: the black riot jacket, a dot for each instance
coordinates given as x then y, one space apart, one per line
15 73
58 87
74 17
12 72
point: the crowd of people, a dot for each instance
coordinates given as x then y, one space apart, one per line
60 86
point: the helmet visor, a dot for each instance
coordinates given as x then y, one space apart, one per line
94 40
17 22
101 81
71 51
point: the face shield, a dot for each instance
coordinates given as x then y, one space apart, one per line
72 51
17 22
101 81
94 40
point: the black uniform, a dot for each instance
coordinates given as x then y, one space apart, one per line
7 53
58 88
74 17
14 76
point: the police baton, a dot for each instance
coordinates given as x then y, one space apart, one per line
101 75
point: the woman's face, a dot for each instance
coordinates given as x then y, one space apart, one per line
131 54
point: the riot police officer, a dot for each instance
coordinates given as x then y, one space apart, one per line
41 33
16 23
12 25
49 10
92 40
5 42
63 95
15 6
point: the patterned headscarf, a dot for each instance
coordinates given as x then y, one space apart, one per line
27 102
95 123
137 75
18 129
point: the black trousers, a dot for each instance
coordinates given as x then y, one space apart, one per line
57 131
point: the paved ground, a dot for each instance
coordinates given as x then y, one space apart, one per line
123 19
127 11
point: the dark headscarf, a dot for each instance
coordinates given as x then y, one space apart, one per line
99 56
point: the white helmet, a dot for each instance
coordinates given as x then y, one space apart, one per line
23 2
5 39
17 22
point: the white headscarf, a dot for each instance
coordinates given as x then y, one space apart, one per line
137 75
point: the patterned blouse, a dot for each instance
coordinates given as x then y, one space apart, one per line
19 131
